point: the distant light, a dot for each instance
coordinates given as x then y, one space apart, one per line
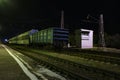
6 40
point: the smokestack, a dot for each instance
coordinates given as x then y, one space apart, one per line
62 19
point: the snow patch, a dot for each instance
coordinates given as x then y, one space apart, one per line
48 72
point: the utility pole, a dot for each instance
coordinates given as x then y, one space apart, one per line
62 19
101 41
101 32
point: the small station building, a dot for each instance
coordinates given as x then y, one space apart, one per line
84 38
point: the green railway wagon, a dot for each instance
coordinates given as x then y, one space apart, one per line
23 38
52 36
33 39
13 40
43 37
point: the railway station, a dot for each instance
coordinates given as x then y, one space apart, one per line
36 43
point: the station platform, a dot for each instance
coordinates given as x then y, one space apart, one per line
9 68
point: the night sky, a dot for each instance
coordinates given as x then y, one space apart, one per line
17 16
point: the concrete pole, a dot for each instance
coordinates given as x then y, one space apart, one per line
62 19
101 32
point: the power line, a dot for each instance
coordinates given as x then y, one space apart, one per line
99 21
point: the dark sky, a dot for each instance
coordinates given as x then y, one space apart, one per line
17 16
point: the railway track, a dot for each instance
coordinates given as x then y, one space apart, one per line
104 58
111 57
55 64
108 53
94 55
73 70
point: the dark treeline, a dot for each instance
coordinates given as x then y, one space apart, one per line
112 40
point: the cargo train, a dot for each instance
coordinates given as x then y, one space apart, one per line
54 36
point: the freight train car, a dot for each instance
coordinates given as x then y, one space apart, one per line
23 38
53 36
13 40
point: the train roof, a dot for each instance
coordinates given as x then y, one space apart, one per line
25 33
